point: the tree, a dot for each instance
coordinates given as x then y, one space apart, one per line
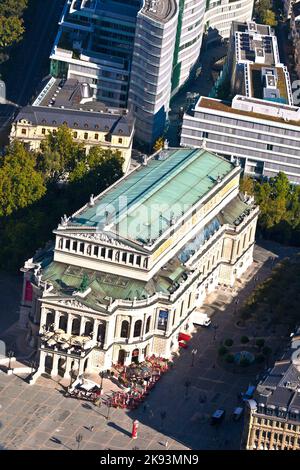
244 339
20 183
60 153
12 7
268 17
247 185
99 169
11 30
159 144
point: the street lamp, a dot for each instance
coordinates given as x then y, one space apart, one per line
108 410
194 352
10 355
78 440
101 383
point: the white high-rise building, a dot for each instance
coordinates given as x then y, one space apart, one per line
220 14
132 53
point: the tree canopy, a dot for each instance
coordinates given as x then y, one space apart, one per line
11 22
20 183
32 201
279 203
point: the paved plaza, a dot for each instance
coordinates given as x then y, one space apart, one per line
176 413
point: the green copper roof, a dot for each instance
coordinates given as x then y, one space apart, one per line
144 203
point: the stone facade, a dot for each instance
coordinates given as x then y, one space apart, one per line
101 326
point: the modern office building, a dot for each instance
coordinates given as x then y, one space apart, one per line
272 419
188 40
264 137
220 14
70 103
130 267
254 64
260 126
132 53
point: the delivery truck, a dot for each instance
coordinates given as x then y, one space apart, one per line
201 318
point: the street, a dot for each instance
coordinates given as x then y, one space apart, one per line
29 61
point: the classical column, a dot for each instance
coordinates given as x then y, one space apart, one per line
82 325
56 319
131 328
81 366
69 324
109 332
68 368
54 370
43 319
95 329
41 367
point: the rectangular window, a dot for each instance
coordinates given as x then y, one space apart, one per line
68 244
110 253
96 136
131 259
75 135
23 131
86 135
96 250
120 140
43 131
138 260
181 310
81 247
269 147
103 252
75 246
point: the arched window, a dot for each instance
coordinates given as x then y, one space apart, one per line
148 325
75 326
88 328
137 328
101 332
125 329
63 322
49 319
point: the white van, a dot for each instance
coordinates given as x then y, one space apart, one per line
200 318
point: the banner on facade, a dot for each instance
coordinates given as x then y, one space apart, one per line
162 320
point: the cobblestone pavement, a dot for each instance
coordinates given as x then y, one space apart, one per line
40 417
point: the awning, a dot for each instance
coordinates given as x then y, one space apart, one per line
182 345
184 337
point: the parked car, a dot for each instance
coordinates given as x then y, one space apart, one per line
248 394
217 417
237 413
